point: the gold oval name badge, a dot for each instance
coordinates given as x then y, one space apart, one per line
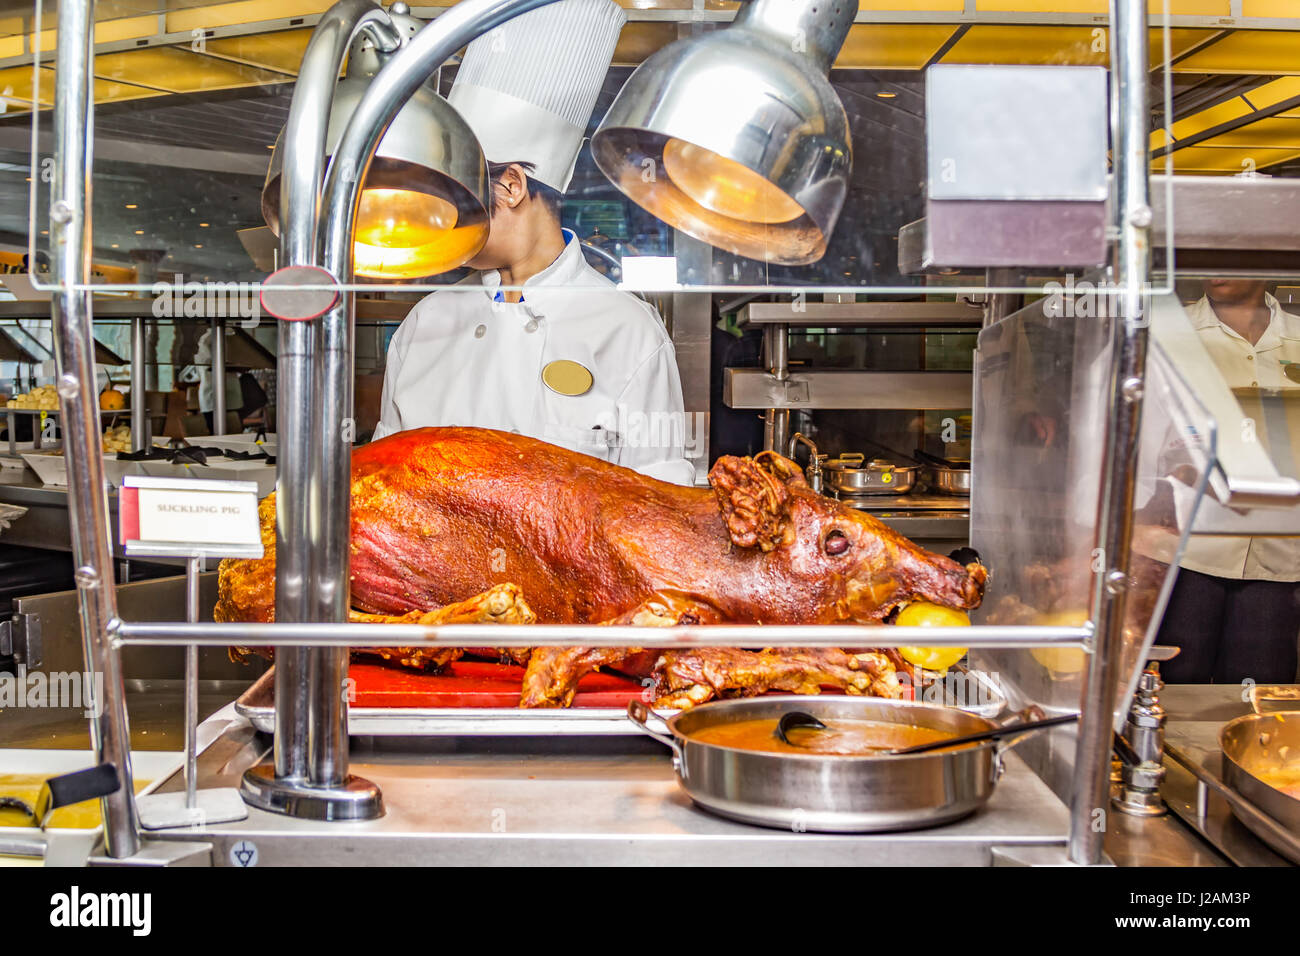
565 377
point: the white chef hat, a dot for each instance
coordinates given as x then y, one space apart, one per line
528 87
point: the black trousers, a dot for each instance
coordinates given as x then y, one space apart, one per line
1231 630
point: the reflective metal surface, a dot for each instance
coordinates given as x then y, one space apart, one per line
336 634
830 793
1113 542
353 798
1253 745
556 801
748 111
79 404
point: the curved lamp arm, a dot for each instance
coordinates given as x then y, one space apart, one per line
304 138
386 95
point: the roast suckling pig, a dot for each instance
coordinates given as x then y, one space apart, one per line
441 516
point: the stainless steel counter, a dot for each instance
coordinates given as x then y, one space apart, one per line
583 801
1196 714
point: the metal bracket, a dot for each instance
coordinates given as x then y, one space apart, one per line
20 637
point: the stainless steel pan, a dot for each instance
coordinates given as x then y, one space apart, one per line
852 474
832 793
1254 745
945 476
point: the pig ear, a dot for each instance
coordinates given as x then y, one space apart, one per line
782 468
754 501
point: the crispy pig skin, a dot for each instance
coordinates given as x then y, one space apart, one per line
442 514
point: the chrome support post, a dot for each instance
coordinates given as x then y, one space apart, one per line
192 686
218 353
319 451
139 422
309 763
1130 269
74 351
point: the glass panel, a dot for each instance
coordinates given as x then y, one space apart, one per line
1040 412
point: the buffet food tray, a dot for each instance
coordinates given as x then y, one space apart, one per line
257 705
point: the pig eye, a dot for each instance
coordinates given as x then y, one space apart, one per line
836 543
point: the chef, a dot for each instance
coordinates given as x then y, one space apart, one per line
538 342
1235 607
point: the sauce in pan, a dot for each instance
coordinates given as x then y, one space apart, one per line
1287 779
846 737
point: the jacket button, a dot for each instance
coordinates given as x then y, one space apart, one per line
480 332
1250 358
530 325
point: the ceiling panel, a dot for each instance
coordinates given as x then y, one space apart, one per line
1269 8
1029 45
641 38
280 51
106 91
1278 91
1247 51
892 46
1210 159
16 84
243 11
1209 117
1275 132
1184 8
178 70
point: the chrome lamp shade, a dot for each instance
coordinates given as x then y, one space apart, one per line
424 204
736 136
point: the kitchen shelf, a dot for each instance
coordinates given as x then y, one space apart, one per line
1226 224
864 314
842 389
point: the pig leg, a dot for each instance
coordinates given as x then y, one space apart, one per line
503 604
554 672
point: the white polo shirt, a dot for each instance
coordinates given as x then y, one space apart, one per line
1262 365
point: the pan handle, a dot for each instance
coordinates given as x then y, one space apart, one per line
1031 713
640 714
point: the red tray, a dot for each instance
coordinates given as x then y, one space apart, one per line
473 684
465 683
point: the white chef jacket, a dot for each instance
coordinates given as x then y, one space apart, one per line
1244 366
207 387
464 356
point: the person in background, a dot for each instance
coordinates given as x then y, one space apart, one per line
1235 607
201 371
572 359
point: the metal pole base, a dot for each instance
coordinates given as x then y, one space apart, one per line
1139 803
355 799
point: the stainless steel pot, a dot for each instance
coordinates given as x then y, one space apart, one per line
852 474
828 792
945 476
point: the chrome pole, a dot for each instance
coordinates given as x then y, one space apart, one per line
74 351
192 686
139 423
1130 268
330 459
297 669
218 352
278 634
